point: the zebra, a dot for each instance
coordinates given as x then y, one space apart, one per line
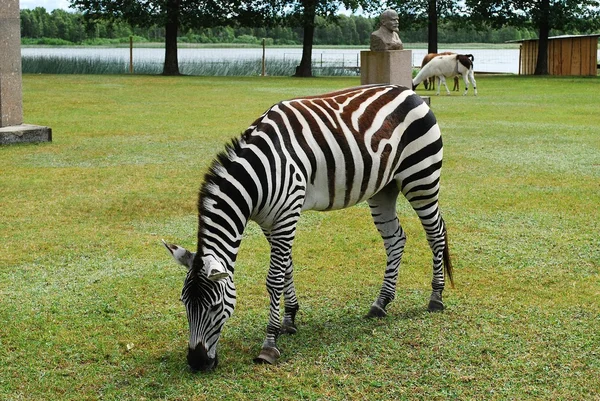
314 153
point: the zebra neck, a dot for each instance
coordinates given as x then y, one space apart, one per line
224 211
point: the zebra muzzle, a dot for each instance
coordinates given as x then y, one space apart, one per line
199 361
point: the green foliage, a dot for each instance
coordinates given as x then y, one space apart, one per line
343 30
544 16
581 15
46 41
247 39
90 299
115 41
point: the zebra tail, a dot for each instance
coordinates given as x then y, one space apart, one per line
447 261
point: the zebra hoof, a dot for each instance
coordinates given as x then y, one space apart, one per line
267 356
435 302
288 329
376 311
435 306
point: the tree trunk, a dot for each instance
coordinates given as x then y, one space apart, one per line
432 27
541 67
171 66
304 70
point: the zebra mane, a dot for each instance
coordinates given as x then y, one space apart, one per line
213 178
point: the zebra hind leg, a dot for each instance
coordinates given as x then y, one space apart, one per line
383 211
288 326
435 230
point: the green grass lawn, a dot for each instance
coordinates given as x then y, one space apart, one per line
89 298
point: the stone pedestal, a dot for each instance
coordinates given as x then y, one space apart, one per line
386 67
11 99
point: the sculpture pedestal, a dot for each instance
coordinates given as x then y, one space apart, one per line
386 67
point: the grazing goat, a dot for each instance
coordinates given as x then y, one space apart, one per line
448 66
429 83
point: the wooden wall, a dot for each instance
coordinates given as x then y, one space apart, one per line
566 56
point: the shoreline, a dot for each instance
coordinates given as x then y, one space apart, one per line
184 45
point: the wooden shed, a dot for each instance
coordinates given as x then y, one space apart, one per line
567 55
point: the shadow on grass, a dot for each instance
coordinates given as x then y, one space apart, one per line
321 330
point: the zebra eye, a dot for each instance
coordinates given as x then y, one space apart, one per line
215 307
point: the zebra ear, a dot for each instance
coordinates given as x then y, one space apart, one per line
214 269
181 255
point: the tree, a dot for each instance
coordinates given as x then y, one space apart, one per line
364 28
171 14
432 27
308 23
303 13
545 15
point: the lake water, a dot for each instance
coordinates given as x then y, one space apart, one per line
486 60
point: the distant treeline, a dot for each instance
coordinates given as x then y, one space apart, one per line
60 27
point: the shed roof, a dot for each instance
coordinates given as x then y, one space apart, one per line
555 37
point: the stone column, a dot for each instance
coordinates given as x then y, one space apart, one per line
12 129
11 107
386 67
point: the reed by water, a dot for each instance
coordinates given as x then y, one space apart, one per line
97 65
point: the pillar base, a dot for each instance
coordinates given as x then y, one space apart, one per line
386 67
25 133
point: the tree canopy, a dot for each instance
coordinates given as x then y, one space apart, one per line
303 13
60 27
172 14
420 13
177 14
309 19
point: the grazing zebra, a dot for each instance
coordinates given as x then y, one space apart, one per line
316 153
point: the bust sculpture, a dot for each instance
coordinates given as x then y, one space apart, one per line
386 37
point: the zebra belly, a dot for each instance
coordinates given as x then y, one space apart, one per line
345 191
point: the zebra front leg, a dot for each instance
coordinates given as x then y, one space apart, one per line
275 281
289 292
383 211
280 268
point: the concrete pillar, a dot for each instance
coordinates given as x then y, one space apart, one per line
11 104
12 129
386 67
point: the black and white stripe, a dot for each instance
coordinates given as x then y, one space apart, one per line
319 153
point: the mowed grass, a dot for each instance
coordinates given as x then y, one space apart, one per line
89 299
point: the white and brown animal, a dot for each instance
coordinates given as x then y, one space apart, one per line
448 66
429 83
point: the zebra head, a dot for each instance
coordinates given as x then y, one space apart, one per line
209 301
